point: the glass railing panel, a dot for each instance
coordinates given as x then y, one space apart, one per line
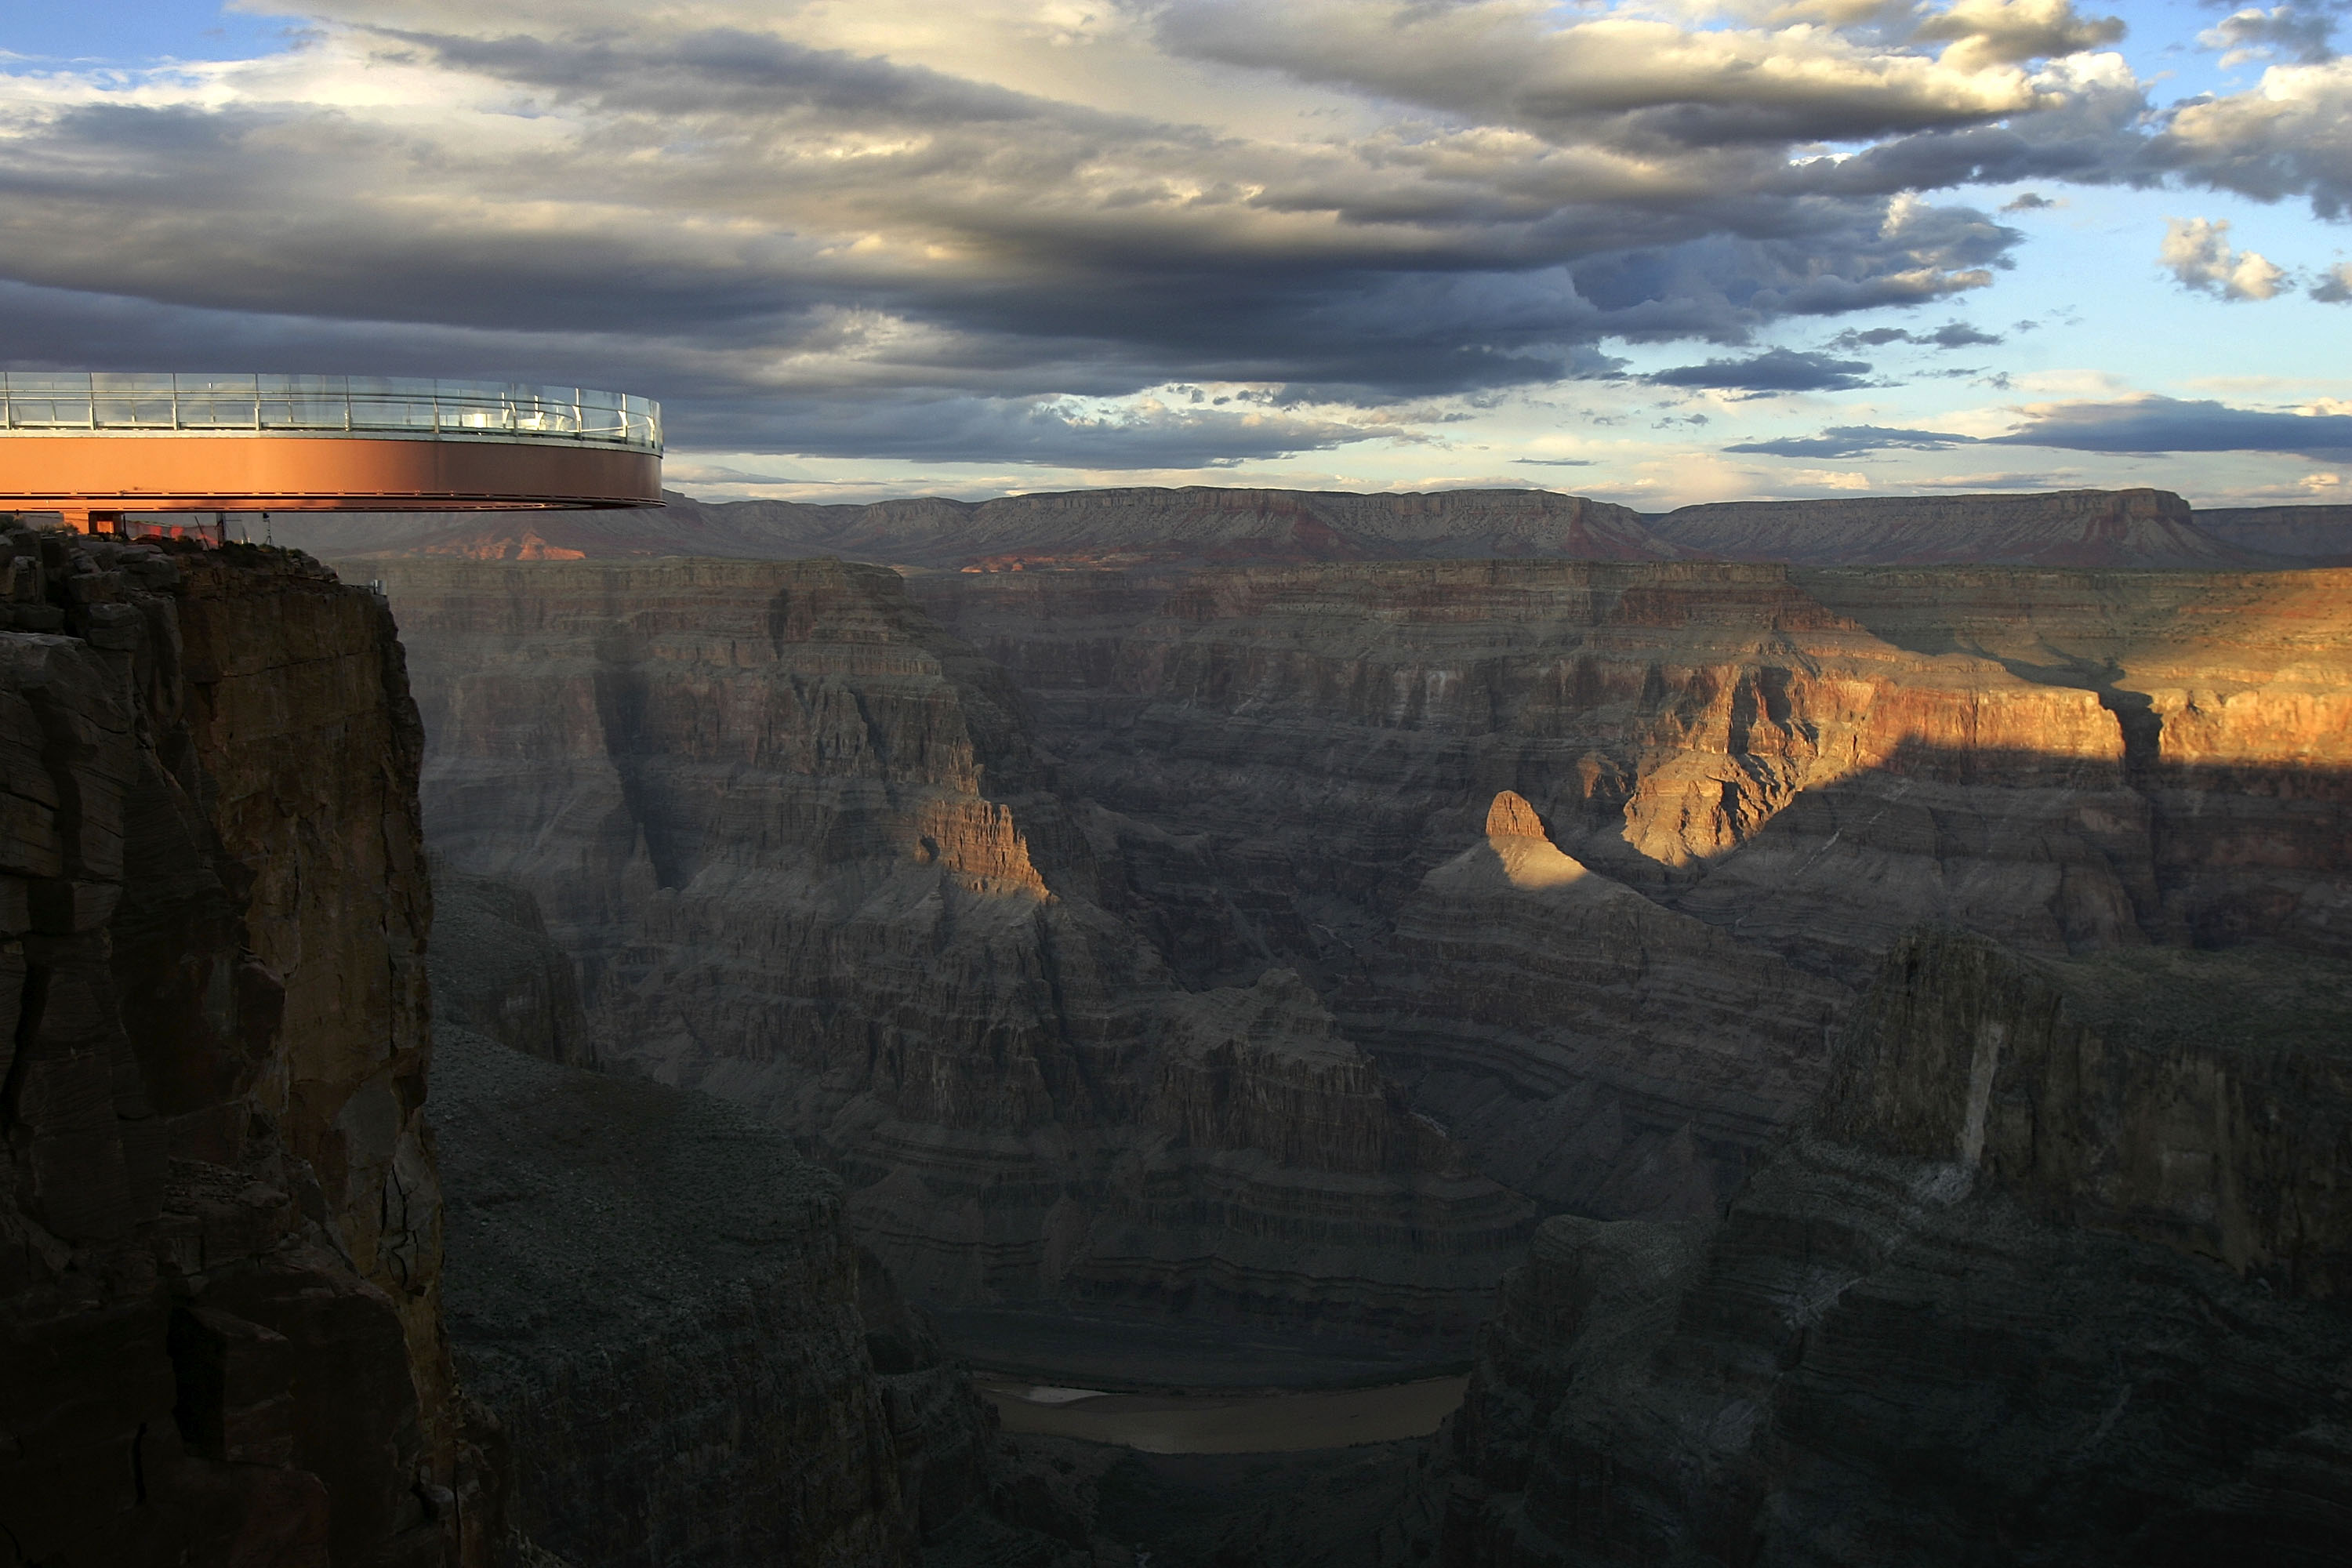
121 383
118 413
306 387
48 413
303 413
48 382
128 401
391 414
475 418
200 412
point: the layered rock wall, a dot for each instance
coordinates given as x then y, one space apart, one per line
2234 695
804 850
2133 527
219 1282
2056 1275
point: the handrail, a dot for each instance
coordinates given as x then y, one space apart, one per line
55 400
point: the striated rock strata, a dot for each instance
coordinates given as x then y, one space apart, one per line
806 858
2057 1274
2064 760
220 1241
2233 693
1606 1055
1295 767
690 1359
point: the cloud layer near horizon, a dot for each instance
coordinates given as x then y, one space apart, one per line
1147 236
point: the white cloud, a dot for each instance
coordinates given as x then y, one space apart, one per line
2199 255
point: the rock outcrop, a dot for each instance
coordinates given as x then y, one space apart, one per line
220 1227
2057 1274
2139 528
1282 755
806 858
1294 767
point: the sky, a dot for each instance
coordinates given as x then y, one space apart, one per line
1657 253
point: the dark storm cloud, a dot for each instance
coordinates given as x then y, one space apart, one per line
1088 254
1854 441
2178 424
1776 370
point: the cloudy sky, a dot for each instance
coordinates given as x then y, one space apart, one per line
1658 253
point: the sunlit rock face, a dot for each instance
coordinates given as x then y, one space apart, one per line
2233 693
1812 760
806 855
2056 1273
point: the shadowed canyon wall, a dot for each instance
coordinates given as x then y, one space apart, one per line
806 857
2056 1274
220 1242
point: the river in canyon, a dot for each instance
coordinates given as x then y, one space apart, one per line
1229 1423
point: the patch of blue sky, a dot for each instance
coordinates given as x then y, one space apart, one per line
49 35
